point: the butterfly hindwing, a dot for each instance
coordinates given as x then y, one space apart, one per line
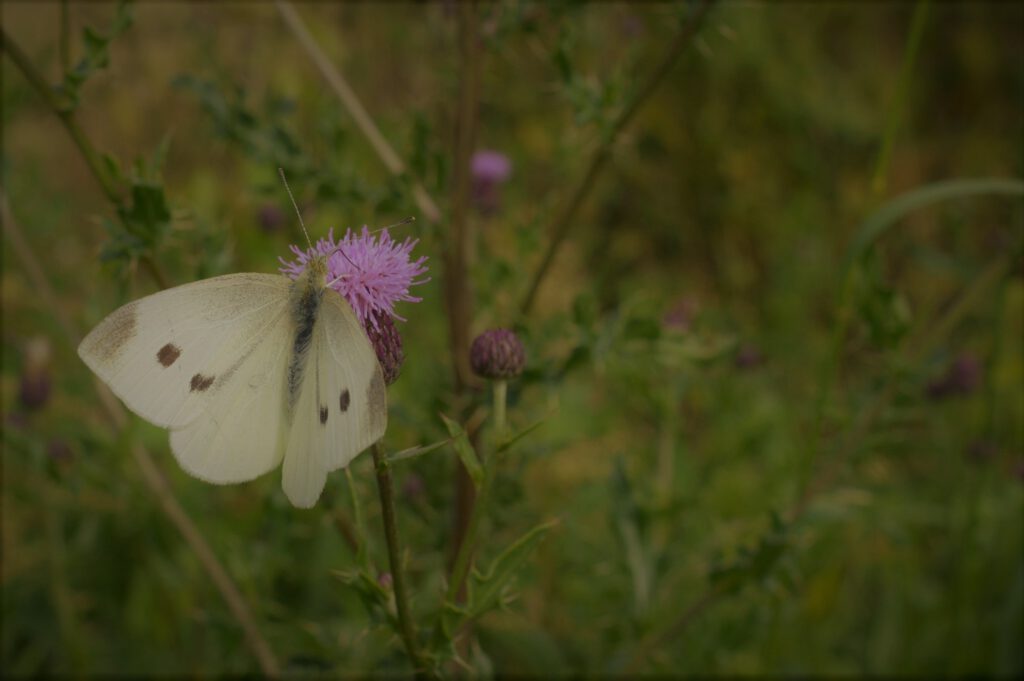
240 434
340 409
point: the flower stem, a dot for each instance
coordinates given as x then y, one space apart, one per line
457 290
406 626
463 559
500 399
63 111
563 222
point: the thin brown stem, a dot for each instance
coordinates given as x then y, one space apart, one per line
406 624
564 220
151 474
355 108
64 112
458 296
66 115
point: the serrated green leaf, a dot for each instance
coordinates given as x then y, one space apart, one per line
485 589
460 441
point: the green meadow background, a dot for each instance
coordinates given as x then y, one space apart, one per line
776 363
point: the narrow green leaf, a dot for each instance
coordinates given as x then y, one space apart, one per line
520 435
485 589
890 213
418 451
465 451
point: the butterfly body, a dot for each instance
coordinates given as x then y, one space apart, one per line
247 371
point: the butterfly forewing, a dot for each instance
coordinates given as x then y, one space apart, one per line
168 355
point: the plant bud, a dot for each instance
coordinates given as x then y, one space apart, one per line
497 354
387 344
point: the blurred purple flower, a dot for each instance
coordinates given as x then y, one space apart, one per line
490 169
385 580
271 218
961 378
59 451
372 271
413 487
36 384
680 316
748 357
982 450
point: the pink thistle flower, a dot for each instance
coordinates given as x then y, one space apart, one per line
372 271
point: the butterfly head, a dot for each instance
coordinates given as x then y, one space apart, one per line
316 271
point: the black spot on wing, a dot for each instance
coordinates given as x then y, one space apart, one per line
201 383
344 400
323 414
168 354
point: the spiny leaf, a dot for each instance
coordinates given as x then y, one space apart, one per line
460 440
418 451
485 589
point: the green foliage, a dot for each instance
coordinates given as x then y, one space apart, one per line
774 408
463 447
97 54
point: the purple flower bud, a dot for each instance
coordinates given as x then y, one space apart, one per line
497 353
491 166
490 169
413 487
271 218
58 451
388 345
981 451
680 316
35 385
385 580
961 378
748 357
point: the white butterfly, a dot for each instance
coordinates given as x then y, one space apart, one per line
246 370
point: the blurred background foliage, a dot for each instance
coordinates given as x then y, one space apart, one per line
760 461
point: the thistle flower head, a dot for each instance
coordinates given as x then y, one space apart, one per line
491 167
372 271
497 354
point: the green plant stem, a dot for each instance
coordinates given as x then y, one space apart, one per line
363 120
917 24
500 411
407 627
151 473
65 37
563 222
464 557
66 115
63 112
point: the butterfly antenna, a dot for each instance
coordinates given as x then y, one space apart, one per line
288 189
406 221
